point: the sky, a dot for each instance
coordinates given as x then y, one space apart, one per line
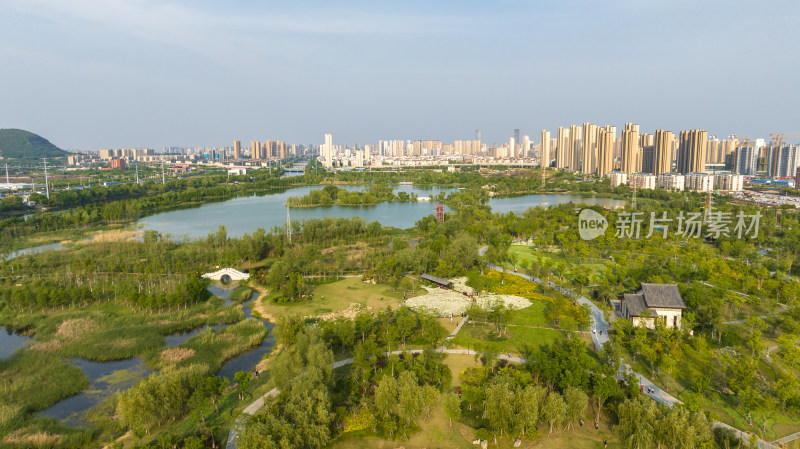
92 74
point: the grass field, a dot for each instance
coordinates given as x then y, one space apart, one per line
534 315
532 257
458 363
335 297
483 338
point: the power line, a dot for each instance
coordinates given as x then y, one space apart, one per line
46 183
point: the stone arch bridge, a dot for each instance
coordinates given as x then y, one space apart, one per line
231 273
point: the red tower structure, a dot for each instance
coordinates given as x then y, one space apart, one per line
440 213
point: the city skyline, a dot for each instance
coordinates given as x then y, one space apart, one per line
91 74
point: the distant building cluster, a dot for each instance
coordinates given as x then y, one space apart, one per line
688 160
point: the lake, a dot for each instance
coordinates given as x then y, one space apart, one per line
246 214
518 205
33 250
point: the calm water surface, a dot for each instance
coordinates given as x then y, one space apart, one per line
246 214
108 378
518 205
33 250
10 341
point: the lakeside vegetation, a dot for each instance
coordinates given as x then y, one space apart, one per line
335 196
116 299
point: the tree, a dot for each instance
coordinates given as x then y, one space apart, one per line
528 404
554 410
409 397
499 405
242 379
386 396
452 407
278 273
605 387
430 395
577 402
214 386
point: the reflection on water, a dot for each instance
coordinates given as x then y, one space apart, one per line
34 250
106 379
10 341
246 214
518 205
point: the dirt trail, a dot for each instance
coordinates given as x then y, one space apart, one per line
258 303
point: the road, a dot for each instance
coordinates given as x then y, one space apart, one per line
600 338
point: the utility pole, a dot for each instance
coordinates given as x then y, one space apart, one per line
7 181
288 226
163 176
633 200
46 184
543 177
137 173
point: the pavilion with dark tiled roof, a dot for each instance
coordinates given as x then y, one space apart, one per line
653 302
438 281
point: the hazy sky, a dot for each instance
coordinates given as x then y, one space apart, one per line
90 74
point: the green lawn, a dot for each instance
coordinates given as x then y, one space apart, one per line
457 364
337 296
483 338
535 315
532 256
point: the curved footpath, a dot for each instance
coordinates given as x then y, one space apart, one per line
599 338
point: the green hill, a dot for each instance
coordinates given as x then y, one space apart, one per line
20 144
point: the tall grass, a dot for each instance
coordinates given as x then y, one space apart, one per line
241 294
34 380
114 332
214 348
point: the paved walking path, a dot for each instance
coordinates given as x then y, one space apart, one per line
600 324
599 338
781 309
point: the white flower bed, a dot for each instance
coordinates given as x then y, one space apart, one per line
446 302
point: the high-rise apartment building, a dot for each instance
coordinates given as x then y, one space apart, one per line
575 147
255 149
562 148
664 142
782 161
589 153
631 152
692 151
648 159
237 149
514 150
605 150
526 146
646 140
544 154
746 160
327 151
